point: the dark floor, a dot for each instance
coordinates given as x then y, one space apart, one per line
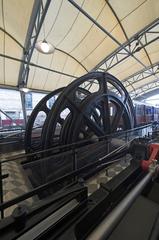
17 182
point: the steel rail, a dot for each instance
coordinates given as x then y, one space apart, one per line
106 227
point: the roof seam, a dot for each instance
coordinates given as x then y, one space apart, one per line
13 38
37 60
70 27
48 71
99 44
133 10
149 59
116 16
88 30
60 50
56 85
54 20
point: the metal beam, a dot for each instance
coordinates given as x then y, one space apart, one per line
39 11
8 87
122 46
140 76
135 44
145 73
139 41
22 95
144 89
151 93
104 229
36 65
69 55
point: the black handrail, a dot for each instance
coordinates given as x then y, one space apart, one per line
74 145
72 174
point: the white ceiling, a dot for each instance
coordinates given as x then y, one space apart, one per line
79 44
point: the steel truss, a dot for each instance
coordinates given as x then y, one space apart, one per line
37 18
135 44
144 89
139 76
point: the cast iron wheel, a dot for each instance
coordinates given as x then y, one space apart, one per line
33 131
93 108
97 83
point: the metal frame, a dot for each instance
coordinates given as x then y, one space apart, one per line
62 151
122 46
109 223
151 71
36 65
139 41
148 94
36 20
8 87
139 76
144 89
22 95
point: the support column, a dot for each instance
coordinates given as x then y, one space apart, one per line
22 95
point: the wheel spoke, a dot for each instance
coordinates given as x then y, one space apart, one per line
46 109
105 107
40 107
92 125
116 120
118 115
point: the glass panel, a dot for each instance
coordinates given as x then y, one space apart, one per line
11 115
31 100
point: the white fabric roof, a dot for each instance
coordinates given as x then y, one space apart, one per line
79 44
14 19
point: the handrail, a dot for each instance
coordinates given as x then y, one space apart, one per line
75 145
73 173
76 171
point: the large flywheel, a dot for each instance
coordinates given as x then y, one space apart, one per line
34 127
92 106
86 111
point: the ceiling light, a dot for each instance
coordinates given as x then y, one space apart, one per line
44 47
23 89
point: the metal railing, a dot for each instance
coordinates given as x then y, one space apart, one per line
72 151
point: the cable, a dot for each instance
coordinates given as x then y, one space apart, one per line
54 20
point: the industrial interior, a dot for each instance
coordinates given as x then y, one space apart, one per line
79 119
